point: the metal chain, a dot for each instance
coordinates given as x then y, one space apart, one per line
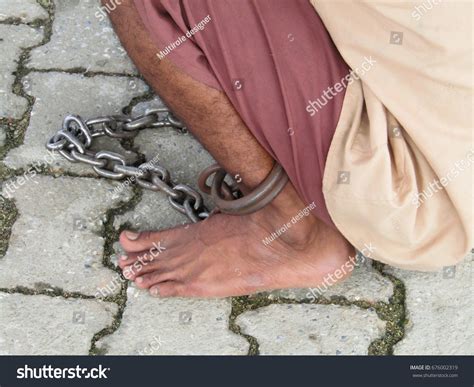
75 138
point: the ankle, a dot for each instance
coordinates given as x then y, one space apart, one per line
287 211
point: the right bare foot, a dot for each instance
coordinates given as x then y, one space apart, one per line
225 255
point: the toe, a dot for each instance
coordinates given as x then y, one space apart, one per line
136 242
144 257
145 281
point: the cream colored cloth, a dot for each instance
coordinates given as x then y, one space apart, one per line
399 170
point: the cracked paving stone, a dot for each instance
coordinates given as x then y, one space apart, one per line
42 325
59 94
312 329
156 326
26 10
436 303
80 39
55 239
365 284
13 38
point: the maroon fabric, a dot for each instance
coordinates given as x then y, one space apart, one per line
271 58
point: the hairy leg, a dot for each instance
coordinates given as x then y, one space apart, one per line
223 255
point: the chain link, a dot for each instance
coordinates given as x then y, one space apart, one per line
75 138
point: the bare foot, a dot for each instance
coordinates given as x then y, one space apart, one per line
225 255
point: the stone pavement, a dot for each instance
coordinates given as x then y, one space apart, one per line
59 226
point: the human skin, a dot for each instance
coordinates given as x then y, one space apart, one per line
223 255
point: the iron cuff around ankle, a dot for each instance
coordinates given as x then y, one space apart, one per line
260 197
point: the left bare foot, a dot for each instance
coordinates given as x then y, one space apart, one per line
225 256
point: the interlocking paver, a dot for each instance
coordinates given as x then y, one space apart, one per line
56 239
13 38
42 325
312 329
25 10
364 284
183 326
80 39
59 94
440 311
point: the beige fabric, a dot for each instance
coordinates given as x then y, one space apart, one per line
406 123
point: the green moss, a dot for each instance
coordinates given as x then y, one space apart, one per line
394 313
45 290
8 216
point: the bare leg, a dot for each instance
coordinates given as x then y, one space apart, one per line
223 255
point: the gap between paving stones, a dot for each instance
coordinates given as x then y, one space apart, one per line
16 21
83 71
393 313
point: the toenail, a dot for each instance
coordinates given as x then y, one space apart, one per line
154 291
123 258
139 280
133 236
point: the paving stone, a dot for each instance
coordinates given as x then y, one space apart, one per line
55 240
60 94
440 311
152 213
365 284
180 153
80 39
42 325
307 329
156 326
13 38
26 10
